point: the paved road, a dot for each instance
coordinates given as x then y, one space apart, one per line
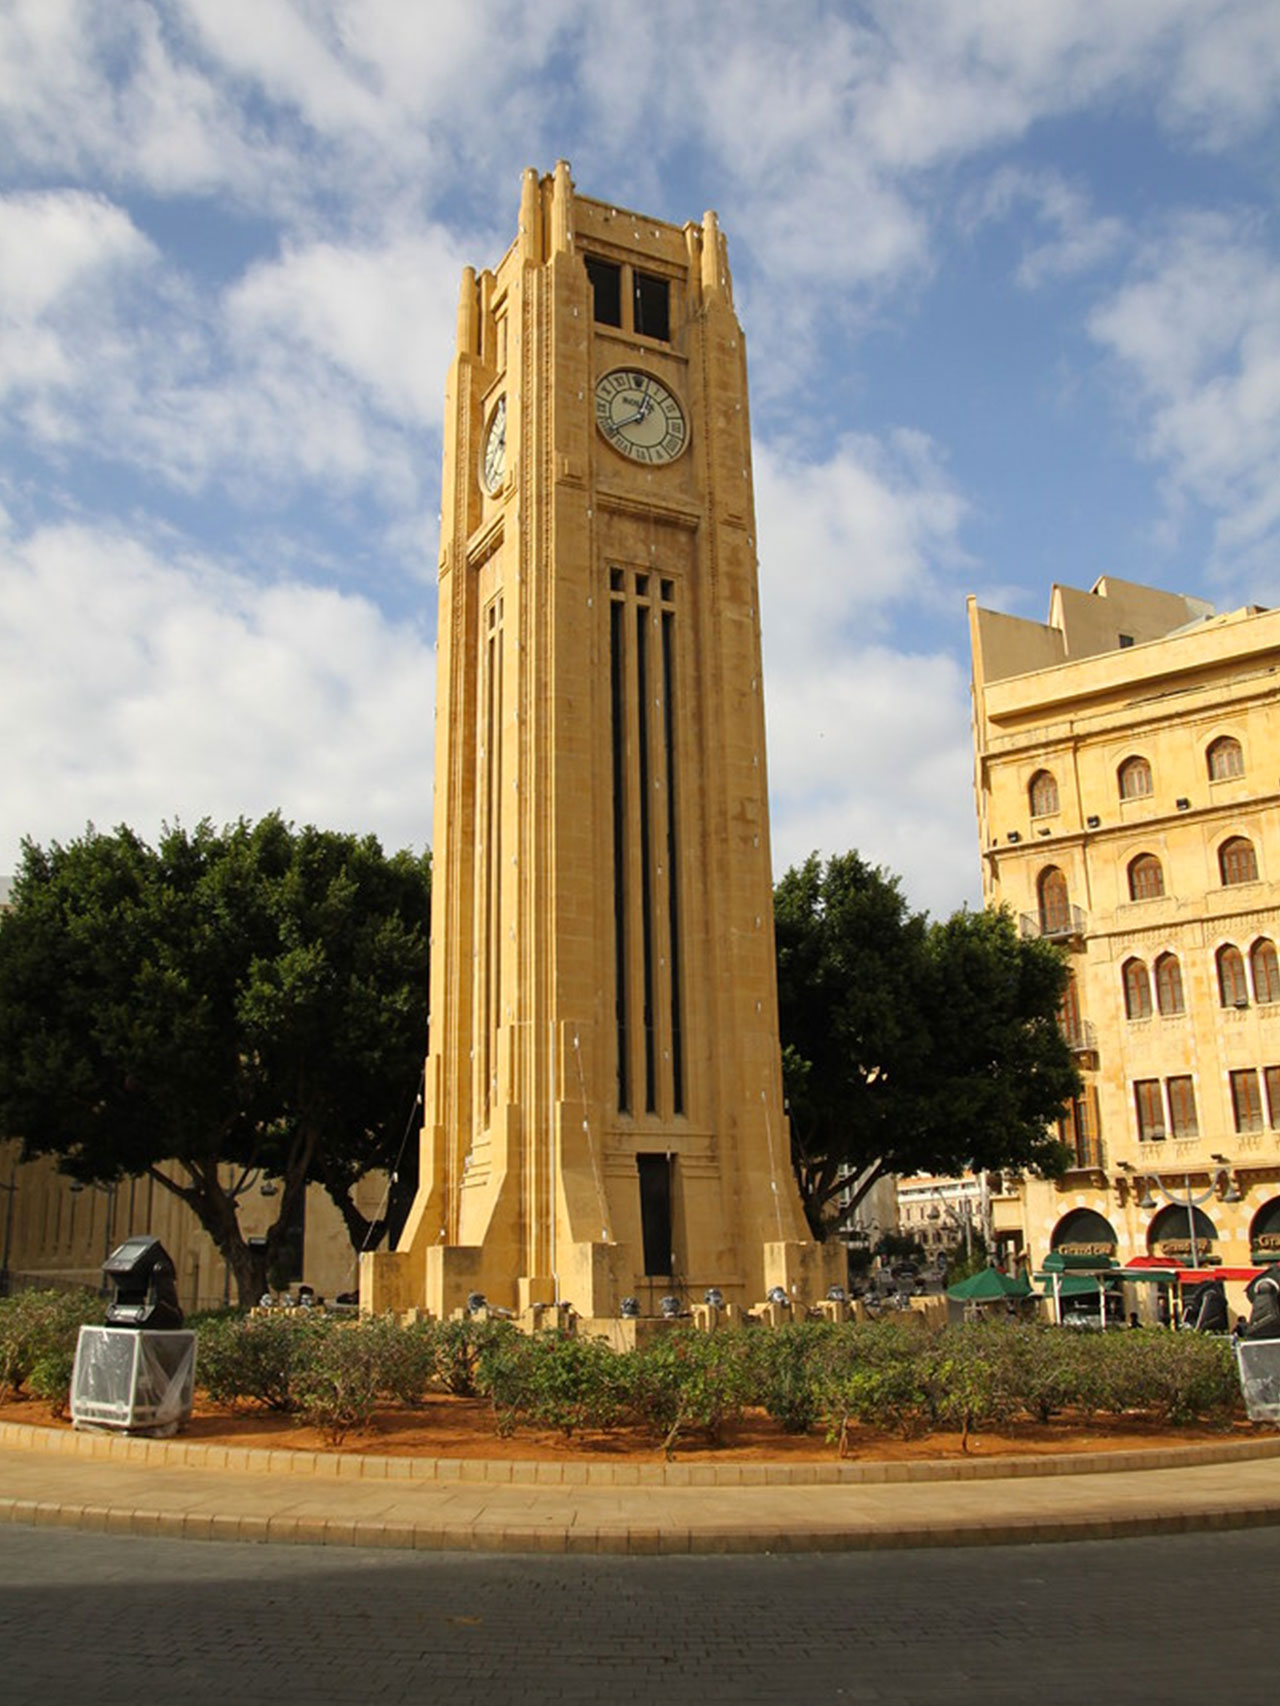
97 1620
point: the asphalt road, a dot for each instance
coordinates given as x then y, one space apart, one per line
96 1620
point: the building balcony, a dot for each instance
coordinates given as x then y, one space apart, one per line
1065 924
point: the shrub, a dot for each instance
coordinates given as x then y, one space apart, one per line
683 1380
783 1367
460 1348
336 1385
38 1333
555 1380
256 1359
872 1375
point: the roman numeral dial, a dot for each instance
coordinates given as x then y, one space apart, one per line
639 417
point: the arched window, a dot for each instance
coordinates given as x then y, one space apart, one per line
1044 794
1137 990
1225 758
1055 906
1237 862
1266 971
1169 997
1146 878
1135 779
1231 979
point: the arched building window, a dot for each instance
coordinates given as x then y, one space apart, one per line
1137 990
1169 996
1135 779
1069 1013
1266 971
1044 794
1055 904
1225 758
1232 985
1237 862
1146 878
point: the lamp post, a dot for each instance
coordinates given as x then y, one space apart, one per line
1188 1199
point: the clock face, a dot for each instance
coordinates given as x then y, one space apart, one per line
494 464
639 416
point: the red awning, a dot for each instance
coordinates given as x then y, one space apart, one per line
1193 1276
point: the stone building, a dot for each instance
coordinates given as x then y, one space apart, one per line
56 1233
1127 771
603 1109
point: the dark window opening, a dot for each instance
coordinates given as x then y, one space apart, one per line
1126 640
673 859
652 306
645 853
656 1227
618 615
606 285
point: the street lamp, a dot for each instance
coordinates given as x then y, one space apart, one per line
1188 1199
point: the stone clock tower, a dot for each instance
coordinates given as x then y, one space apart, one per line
603 1090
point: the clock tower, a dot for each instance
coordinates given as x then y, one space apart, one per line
603 1103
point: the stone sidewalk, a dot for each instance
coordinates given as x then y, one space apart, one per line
173 1488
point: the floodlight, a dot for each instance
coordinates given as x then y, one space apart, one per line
145 1281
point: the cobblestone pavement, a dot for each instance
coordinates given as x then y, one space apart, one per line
100 1620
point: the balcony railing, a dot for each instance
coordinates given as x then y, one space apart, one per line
1063 924
1090 1154
1081 1037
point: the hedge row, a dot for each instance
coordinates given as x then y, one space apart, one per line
885 1374
334 1373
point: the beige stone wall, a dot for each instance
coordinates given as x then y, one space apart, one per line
1165 700
55 1235
587 589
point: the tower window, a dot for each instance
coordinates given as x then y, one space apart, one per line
606 286
652 306
1226 759
1055 907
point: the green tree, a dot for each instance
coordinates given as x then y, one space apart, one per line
228 1003
910 1046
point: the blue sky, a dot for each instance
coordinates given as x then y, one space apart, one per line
1010 277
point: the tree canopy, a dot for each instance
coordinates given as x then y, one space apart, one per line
225 1005
911 1046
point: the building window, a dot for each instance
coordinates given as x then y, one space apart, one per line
1146 878
1237 862
1055 905
1246 1102
1232 987
1137 990
1266 971
1169 997
606 290
1078 1129
1135 779
652 306
1226 759
1272 1076
1182 1108
1044 794
1069 1014
1150 1106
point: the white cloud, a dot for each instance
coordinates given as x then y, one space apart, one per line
1196 329
868 745
138 688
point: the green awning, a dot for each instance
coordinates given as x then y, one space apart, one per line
1064 1261
989 1285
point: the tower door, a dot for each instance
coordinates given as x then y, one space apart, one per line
655 1213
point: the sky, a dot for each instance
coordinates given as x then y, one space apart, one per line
1009 272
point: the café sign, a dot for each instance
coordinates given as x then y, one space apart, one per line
1181 1250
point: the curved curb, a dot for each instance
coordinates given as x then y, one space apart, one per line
186 1454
